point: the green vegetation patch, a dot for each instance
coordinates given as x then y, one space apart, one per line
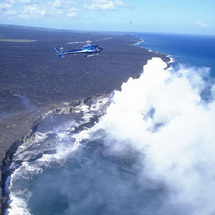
17 40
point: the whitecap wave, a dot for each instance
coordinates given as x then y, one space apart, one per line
50 144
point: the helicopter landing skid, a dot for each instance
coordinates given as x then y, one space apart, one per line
91 55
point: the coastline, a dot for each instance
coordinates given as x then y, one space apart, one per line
58 82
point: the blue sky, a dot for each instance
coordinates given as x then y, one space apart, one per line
175 16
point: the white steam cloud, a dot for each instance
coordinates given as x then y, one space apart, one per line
163 116
160 132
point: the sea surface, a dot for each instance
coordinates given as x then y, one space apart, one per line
146 149
190 50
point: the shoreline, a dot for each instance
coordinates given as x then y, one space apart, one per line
119 54
60 109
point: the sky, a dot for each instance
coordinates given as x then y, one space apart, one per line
166 16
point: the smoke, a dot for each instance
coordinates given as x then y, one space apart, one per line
162 116
152 153
26 102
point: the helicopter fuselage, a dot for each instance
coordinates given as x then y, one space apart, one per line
86 49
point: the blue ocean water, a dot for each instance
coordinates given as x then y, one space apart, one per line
191 50
147 149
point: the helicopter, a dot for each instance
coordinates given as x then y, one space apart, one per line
89 50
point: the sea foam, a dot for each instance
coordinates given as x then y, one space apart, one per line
51 144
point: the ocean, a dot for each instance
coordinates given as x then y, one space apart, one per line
145 149
190 50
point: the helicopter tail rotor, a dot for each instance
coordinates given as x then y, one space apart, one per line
59 52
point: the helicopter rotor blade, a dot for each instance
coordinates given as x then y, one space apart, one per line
76 42
89 41
107 38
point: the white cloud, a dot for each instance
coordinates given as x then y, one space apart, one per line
99 1
72 12
36 9
16 2
21 9
61 4
32 12
60 7
104 5
56 4
119 3
201 24
7 10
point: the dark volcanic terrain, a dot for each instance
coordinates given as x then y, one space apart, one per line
33 80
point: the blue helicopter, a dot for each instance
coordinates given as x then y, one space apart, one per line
89 50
